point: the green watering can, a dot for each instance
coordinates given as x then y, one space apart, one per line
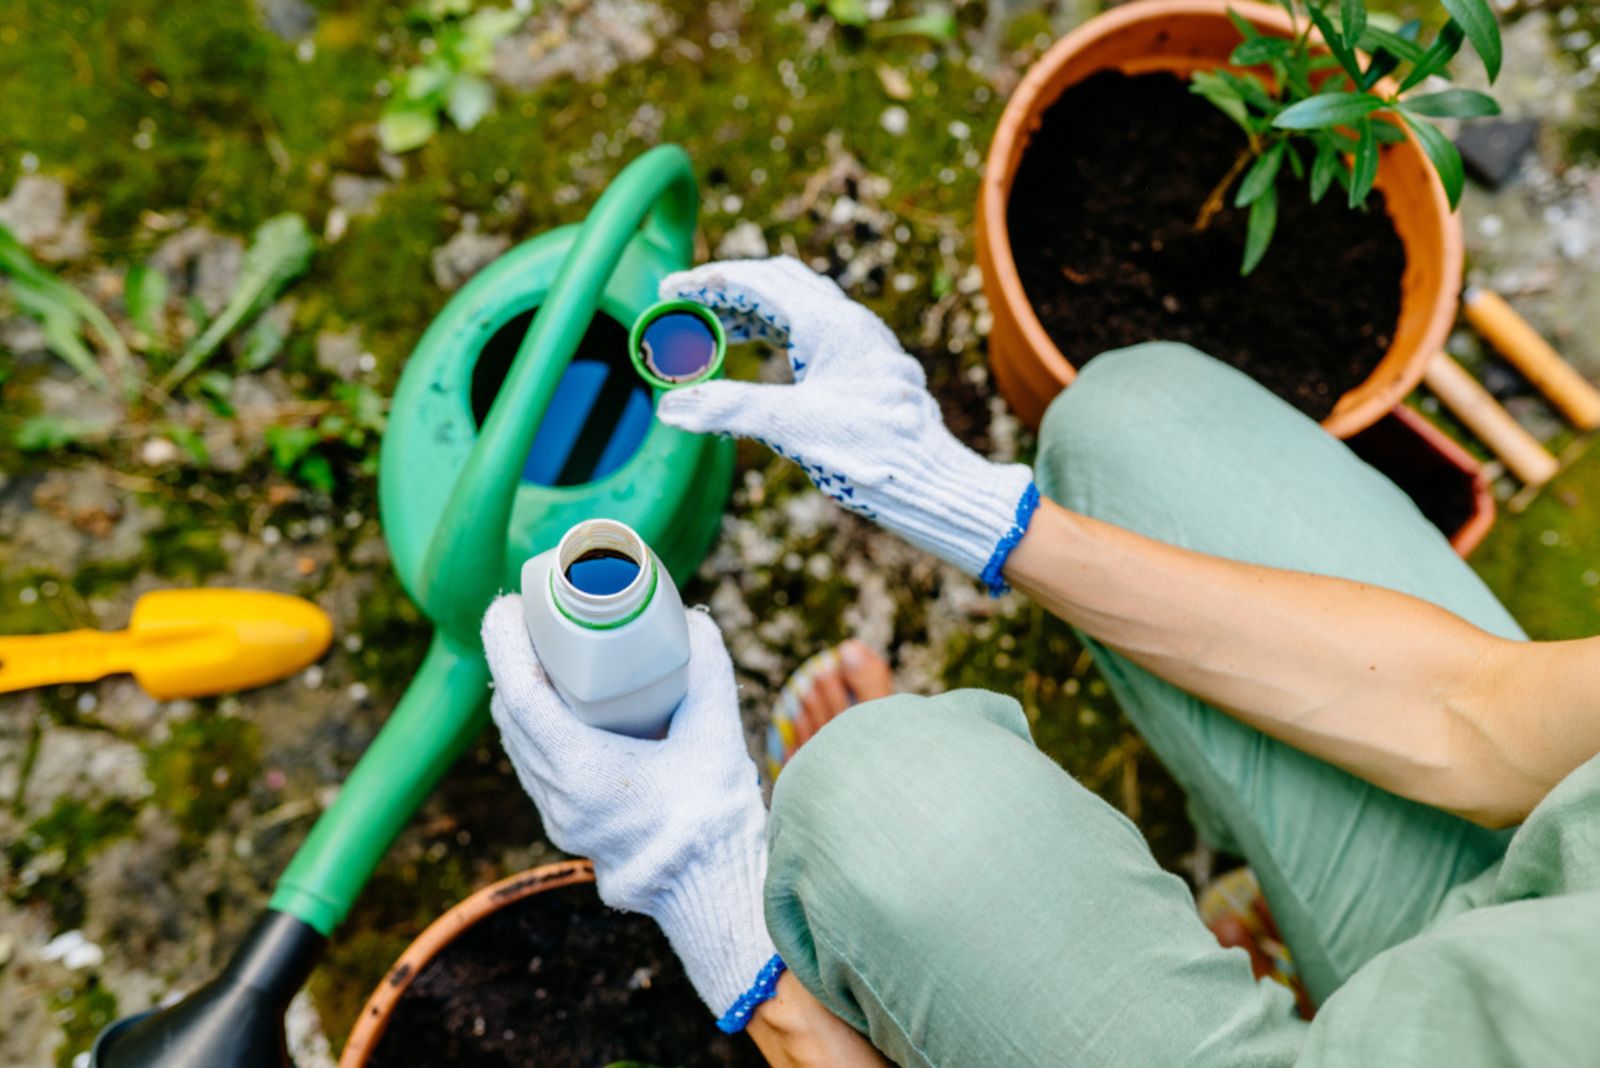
518 415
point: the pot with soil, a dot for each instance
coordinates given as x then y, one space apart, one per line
1099 227
1446 483
536 972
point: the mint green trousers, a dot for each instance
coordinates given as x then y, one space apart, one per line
949 891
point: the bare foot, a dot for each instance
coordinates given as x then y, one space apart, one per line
823 687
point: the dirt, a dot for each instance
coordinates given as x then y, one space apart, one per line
1102 224
1441 491
557 980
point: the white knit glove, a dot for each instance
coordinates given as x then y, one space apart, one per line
675 827
859 419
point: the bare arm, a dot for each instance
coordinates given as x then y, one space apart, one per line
795 1030
1398 691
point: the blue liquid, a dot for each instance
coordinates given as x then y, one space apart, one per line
678 346
602 572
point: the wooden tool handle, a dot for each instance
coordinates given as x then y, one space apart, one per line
1519 450
47 659
1531 354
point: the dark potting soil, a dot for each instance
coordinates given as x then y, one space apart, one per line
1102 224
557 980
1441 491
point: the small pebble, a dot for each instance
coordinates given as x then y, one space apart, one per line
895 120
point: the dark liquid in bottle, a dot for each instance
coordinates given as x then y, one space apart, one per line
678 346
602 572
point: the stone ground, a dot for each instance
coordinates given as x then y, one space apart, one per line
140 837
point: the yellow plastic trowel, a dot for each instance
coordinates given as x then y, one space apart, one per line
179 643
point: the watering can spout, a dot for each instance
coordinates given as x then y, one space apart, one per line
236 1019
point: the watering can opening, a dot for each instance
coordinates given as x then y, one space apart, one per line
598 416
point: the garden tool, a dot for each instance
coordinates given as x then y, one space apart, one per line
498 441
1523 454
179 643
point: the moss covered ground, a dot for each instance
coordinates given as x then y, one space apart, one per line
186 126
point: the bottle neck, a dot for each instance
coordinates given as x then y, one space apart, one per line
602 611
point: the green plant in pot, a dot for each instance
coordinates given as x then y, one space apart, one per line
1321 115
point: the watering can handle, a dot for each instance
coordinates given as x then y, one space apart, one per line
466 558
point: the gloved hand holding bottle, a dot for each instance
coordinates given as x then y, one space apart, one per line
858 419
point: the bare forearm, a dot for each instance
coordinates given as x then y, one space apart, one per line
1387 686
795 1030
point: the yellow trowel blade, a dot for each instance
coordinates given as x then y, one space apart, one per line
180 643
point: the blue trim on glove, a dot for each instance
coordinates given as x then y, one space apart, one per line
766 985
991 574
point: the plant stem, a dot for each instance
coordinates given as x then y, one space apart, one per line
1218 196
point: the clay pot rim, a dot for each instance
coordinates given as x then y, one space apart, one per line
1357 408
379 1007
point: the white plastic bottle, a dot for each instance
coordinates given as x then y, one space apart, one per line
608 626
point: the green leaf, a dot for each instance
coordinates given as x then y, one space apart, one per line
427 82
289 444
191 442
849 12
1452 103
1387 133
405 125
144 294
1364 170
1336 43
1326 109
44 433
1443 49
279 252
1446 160
470 100
262 344
63 313
1216 89
1246 28
1476 18
937 25
316 472
1258 230
1323 169
1396 44
1352 18
1259 178
1259 50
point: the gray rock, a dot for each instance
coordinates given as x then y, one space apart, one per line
586 41
83 765
340 353
465 254
744 241
289 19
36 212
201 263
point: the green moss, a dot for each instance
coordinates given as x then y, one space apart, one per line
74 831
202 768
1031 655
186 552
394 637
1542 564
83 1013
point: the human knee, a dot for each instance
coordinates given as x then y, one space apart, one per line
870 807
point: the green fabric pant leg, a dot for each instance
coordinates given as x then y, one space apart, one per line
945 888
1168 442
1507 974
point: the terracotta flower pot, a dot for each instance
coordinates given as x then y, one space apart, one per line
1421 459
1180 37
379 1009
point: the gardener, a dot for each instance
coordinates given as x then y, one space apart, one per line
1344 702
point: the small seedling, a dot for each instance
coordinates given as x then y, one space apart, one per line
450 79
1312 104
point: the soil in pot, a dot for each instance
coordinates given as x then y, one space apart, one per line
557 980
1102 224
1443 492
